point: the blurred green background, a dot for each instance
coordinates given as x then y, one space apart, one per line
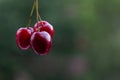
86 45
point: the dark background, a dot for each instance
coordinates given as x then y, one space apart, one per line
86 45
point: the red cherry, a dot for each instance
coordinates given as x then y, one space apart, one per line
41 42
23 37
44 26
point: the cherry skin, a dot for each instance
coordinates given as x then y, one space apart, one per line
23 37
41 42
44 26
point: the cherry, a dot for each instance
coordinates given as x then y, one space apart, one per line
41 42
39 38
23 37
44 26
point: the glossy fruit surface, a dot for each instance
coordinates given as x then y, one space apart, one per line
41 42
44 26
23 37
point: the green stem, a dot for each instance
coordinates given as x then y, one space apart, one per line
37 12
40 18
37 18
31 13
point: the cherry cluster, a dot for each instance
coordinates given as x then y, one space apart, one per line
39 38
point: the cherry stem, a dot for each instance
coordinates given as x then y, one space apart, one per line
36 1
37 12
31 13
40 18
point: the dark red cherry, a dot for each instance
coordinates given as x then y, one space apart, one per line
44 26
23 37
41 42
